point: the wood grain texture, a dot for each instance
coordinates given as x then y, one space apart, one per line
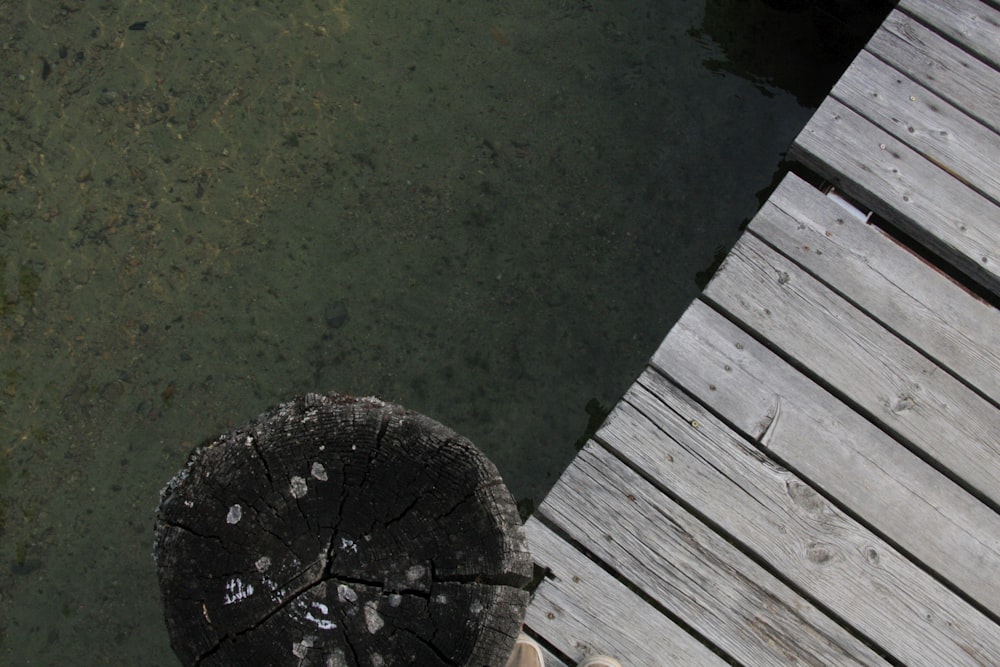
961 78
787 524
972 24
690 570
894 286
898 387
584 611
551 660
927 123
837 450
892 179
780 509
339 530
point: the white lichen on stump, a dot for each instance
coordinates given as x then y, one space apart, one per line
339 530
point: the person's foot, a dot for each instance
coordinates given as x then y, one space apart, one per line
600 661
527 653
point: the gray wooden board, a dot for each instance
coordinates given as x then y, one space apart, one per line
894 384
584 611
726 597
961 78
972 24
899 289
927 123
551 660
847 456
771 511
890 178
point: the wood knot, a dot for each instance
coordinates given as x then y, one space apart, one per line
871 555
819 553
805 497
903 403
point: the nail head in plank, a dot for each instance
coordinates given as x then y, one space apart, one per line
900 185
924 121
961 78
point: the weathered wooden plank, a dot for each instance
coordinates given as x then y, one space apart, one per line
787 524
580 610
897 386
552 660
896 287
905 499
896 182
690 570
962 79
972 24
924 121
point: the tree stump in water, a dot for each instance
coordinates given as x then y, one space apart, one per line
341 531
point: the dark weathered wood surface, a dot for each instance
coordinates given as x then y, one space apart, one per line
341 531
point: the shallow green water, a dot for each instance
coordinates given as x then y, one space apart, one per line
488 212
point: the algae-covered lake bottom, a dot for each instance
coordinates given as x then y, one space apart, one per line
487 212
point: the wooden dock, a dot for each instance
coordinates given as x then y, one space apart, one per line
808 471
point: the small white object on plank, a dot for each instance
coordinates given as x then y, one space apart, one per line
890 178
924 121
894 286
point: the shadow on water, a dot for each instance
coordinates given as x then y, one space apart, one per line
798 46
487 212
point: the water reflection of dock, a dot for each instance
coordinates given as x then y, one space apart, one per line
808 471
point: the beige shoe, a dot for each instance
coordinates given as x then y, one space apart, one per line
600 661
527 653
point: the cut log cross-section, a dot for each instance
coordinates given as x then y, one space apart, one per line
335 530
